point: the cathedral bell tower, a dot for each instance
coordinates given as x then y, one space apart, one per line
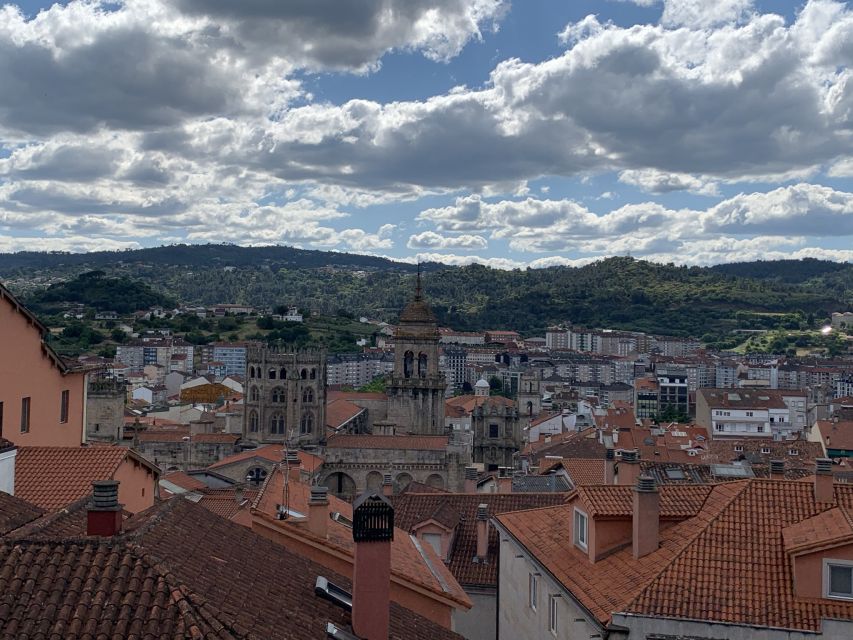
416 388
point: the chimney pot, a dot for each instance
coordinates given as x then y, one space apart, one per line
629 469
318 511
646 517
104 515
482 531
823 489
372 532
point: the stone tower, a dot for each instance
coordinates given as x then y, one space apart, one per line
105 402
529 397
416 386
285 396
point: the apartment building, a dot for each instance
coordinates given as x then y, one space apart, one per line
752 413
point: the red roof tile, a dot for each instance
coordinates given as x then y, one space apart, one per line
339 412
15 512
271 453
52 477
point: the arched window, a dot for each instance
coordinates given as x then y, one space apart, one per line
278 394
408 364
277 424
529 408
303 374
313 374
253 394
307 424
422 365
253 421
308 396
251 372
272 374
282 374
256 475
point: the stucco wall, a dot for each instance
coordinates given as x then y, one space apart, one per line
7 471
25 371
478 623
137 485
808 570
515 617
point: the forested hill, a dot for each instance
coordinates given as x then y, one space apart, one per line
205 255
794 271
620 293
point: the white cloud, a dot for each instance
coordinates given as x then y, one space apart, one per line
653 181
432 240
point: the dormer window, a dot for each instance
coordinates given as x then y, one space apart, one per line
738 448
581 529
838 579
765 450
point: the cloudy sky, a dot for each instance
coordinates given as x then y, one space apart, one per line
534 133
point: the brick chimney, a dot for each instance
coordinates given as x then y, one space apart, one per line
777 469
372 532
318 511
646 517
823 489
609 466
387 485
470 479
482 531
629 469
104 515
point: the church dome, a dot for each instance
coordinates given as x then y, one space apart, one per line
481 384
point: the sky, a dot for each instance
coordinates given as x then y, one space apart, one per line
525 134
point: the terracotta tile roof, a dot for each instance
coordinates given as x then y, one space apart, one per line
676 501
410 509
52 477
584 470
746 398
830 528
468 403
178 571
707 568
753 451
583 444
224 503
15 512
183 480
836 435
340 411
406 560
271 453
359 441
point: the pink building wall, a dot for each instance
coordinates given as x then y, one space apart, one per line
27 370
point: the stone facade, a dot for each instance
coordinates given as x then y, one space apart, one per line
416 387
105 403
497 435
285 396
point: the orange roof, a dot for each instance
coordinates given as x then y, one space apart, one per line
408 561
224 503
52 477
340 411
360 441
828 529
836 435
184 481
584 470
676 501
469 403
726 564
272 453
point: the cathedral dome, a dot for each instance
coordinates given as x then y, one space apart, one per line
482 384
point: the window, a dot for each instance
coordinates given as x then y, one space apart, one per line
738 448
63 407
253 422
307 424
493 431
552 614
282 374
277 424
765 450
278 394
533 591
308 396
272 374
581 523
253 394
838 578
25 415
434 540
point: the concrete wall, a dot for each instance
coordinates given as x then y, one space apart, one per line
26 371
516 619
478 623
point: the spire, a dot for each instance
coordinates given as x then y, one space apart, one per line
418 287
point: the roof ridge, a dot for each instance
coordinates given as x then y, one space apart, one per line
722 486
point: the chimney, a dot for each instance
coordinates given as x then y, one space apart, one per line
470 479
629 469
646 517
318 511
823 489
777 469
104 515
505 484
372 532
292 464
609 466
482 531
387 485
239 495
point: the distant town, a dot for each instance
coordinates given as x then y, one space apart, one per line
528 478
